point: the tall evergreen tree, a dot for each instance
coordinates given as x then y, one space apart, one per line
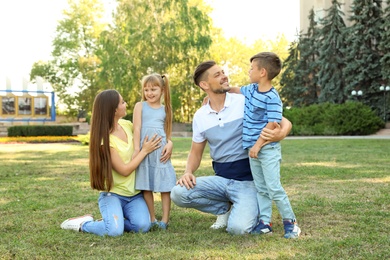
299 80
384 45
331 61
363 70
287 93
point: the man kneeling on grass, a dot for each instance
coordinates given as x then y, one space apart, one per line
231 193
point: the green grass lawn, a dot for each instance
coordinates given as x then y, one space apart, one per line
338 188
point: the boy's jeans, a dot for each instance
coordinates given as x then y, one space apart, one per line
266 175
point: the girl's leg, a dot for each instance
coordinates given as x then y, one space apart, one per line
166 206
136 213
148 196
112 223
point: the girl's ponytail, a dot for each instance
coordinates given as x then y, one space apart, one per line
168 107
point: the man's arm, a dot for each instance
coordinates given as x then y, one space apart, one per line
193 162
254 151
278 133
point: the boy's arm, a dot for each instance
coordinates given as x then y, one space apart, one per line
254 151
235 90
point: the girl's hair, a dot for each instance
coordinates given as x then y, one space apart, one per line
102 123
163 82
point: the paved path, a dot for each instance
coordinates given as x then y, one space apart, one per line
341 137
382 134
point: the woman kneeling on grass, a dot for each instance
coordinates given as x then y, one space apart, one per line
122 207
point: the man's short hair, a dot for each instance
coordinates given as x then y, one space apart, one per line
201 69
269 61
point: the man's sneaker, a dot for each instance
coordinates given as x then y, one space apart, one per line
291 229
75 223
262 228
221 221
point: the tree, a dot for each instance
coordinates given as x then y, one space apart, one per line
384 45
331 61
163 36
299 81
287 93
74 70
363 69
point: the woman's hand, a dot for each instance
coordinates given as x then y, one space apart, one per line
149 146
166 152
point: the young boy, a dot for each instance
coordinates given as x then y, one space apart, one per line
263 107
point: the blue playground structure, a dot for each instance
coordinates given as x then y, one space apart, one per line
26 107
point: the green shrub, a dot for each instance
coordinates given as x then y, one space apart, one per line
351 118
40 130
84 139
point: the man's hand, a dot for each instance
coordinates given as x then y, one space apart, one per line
188 180
274 135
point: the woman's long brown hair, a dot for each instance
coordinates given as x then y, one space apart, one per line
102 123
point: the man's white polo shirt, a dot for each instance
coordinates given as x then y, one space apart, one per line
223 132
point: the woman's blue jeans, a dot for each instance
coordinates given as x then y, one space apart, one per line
120 214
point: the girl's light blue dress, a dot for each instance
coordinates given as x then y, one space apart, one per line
151 174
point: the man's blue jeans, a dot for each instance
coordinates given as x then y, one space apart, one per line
120 214
266 174
215 195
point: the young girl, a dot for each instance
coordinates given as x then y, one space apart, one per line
150 117
111 165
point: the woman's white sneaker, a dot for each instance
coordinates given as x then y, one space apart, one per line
75 223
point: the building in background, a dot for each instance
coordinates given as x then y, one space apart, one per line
319 7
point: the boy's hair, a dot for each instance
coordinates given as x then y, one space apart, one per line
200 70
269 61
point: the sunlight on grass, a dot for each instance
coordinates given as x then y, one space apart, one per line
45 179
3 201
323 164
367 180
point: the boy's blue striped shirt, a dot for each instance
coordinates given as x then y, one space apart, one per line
260 108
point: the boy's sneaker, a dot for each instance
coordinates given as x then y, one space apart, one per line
75 223
262 228
221 221
291 229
